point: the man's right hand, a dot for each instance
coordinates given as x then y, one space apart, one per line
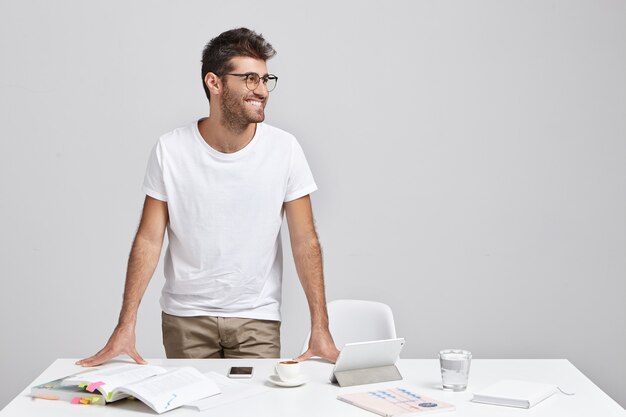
122 341
143 259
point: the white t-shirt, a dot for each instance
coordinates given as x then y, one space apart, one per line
225 212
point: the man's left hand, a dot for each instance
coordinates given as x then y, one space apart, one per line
321 344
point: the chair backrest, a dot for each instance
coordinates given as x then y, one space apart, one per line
358 321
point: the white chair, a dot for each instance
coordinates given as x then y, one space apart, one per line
358 321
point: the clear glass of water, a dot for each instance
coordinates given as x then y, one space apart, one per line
455 366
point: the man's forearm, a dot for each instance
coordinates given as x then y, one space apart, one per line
144 257
308 259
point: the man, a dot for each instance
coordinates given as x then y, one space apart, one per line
220 187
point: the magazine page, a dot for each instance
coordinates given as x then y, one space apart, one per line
173 389
396 402
108 378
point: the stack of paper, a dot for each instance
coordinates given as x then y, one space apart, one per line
232 392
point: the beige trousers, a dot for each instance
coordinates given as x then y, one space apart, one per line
219 337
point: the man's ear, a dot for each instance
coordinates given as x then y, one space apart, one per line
213 83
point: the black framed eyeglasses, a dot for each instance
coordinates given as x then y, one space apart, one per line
253 79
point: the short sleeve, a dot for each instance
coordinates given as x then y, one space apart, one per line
153 184
300 181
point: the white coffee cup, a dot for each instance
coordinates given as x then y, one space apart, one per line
287 370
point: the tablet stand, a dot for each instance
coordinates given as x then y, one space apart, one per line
367 375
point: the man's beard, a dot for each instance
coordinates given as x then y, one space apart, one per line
235 116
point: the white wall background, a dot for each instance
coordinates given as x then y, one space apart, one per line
470 157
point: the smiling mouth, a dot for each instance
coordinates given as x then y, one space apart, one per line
255 103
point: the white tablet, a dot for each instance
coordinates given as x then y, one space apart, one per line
367 355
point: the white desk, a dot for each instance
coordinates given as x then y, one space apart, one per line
318 397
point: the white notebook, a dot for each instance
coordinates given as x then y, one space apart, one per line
512 393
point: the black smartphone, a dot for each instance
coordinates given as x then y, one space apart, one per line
240 372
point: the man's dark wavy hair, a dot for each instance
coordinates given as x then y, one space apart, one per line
217 54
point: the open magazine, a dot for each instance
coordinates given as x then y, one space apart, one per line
396 402
160 388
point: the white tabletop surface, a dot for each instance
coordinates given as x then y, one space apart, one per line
318 396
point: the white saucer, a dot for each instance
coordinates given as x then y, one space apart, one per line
301 380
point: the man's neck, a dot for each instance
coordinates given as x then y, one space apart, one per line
224 139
